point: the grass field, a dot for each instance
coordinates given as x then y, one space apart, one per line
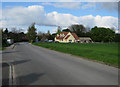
103 52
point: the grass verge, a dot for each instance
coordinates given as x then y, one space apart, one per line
104 52
3 48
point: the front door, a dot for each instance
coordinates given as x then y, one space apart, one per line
70 41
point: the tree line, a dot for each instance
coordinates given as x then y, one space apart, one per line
14 34
97 34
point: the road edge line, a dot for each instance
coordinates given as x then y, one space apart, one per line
12 80
10 75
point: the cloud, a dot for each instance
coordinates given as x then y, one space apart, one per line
70 5
24 16
118 31
60 0
54 30
89 5
109 6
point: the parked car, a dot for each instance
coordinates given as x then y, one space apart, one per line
46 40
50 41
56 41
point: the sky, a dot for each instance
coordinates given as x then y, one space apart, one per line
50 15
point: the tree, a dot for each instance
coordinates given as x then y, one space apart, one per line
117 37
101 34
66 30
31 34
40 35
48 33
58 30
54 35
78 29
14 30
3 39
6 33
49 36
14 34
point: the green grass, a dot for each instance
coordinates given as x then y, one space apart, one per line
3 48
103 52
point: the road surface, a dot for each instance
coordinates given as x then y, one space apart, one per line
35 65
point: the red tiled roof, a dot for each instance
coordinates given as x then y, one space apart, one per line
75 36
65 33
59 37
67 37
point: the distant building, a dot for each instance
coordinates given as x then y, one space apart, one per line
85 40
66 37
10 41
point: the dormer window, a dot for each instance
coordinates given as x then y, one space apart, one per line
57 35
60 35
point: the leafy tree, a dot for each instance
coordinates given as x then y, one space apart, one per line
58 30
54 35
78 29
49 36
101 34
48 33
3 39
87 34
66 30
40 35
117 37
14 30
6 31
31 34
15 34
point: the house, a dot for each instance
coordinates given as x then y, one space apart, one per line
10 41
85 40
66 37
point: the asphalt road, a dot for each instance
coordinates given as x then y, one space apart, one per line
5 74
39 66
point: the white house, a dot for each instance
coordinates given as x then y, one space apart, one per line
66 37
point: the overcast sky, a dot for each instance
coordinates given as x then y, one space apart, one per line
49 15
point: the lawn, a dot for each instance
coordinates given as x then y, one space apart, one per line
103 52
